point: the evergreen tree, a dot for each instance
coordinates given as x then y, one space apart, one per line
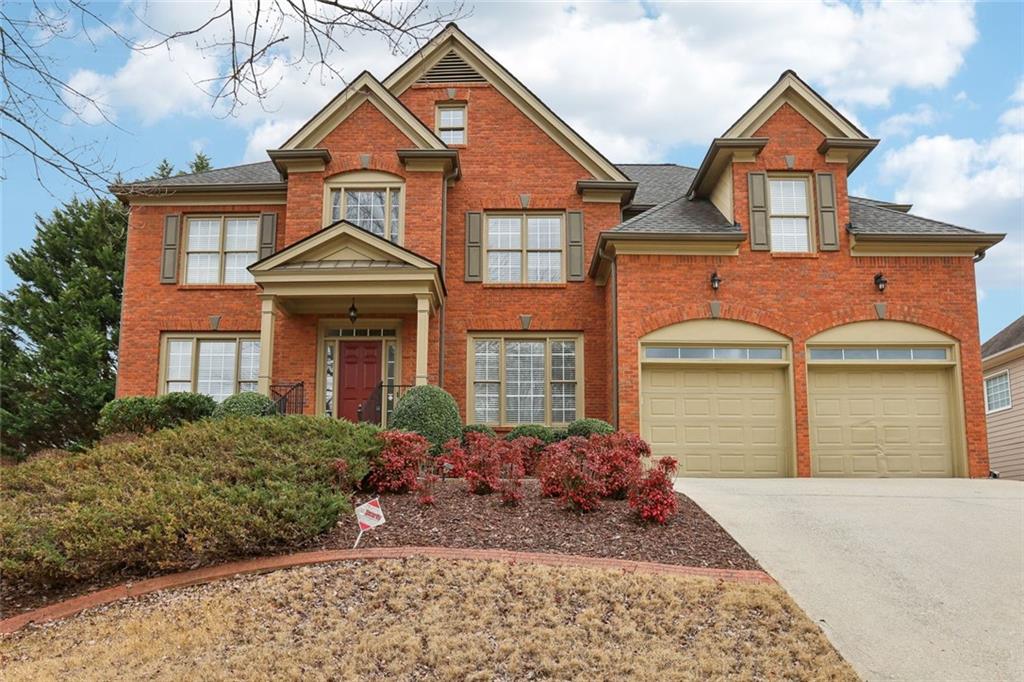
164 170
59 328
200 163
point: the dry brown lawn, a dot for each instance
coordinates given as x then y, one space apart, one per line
432 619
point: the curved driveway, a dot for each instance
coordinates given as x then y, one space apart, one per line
911 579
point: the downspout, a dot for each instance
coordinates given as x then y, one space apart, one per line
444 257
613 276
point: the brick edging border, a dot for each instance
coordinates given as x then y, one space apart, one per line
70 607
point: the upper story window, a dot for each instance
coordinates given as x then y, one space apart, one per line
525 248
789 214
451 123
219 249
369 199
997 392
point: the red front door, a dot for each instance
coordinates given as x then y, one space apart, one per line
358 379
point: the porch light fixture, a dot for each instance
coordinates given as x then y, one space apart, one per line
353 314
880 281
716 281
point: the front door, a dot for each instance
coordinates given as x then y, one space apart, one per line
358 379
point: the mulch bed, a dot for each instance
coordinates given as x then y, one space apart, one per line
537 524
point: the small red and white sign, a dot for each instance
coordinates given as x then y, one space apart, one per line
369 515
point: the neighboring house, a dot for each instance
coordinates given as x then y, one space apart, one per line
444 226
1002 361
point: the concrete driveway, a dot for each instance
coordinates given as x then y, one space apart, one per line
911 579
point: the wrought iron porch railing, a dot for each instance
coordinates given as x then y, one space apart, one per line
381 403
289 397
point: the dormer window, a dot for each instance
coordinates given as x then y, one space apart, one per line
368 199
451 123
789 214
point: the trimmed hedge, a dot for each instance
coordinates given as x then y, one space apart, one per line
477 428
247 404
142 414
532 431
429 411
205 492
589 427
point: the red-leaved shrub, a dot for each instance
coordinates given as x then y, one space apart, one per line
653 497
397 467
571 471
619 457
512 469
482 469
452 460
530 451
425 488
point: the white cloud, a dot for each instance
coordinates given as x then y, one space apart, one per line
269 135
638 79
904 123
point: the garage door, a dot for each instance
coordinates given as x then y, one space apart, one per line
717 421
880 422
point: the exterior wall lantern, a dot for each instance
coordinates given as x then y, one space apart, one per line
353 314
716 281
881 282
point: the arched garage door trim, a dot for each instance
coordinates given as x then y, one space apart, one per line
720 351
876 350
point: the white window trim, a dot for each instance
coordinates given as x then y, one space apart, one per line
221 252
547 338
1009 391
165 340
367 181
523 246
809 185
438 128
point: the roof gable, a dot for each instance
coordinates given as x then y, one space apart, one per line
342 245
452 44
365 88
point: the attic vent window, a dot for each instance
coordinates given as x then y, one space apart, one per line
451 68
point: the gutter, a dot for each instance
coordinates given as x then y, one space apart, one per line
139 189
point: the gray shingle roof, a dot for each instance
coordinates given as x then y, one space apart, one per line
259 173
659 182
883 204
680 216
867 217
1012 335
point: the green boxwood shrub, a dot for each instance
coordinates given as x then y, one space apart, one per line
205 492
588 427
179 408
247 404
142 414
429 411
533 431
559 435
477 428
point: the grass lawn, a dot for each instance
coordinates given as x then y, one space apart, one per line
432 619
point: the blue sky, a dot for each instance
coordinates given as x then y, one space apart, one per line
940 83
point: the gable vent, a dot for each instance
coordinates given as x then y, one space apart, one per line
451 69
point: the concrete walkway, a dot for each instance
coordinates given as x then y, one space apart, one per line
911 579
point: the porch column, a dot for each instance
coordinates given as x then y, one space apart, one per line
267 314
422 337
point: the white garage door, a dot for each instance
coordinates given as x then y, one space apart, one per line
717 421
880 422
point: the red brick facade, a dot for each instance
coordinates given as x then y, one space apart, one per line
507 156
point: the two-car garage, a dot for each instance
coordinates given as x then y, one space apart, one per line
718 396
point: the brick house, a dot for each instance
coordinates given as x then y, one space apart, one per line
444 226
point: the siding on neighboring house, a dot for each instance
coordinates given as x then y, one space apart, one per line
1006 427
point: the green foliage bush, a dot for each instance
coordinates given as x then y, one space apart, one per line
142 414
431 412
245 404
206 492
540 431
589 427
477 428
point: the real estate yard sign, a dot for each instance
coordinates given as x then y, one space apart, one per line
369 515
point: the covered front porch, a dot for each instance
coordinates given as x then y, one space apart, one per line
346 323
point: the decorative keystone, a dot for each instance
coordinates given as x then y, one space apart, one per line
880 310
716 308
214 322
364 160
524 200
525 320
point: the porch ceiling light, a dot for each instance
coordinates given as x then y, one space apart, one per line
881 281
353 314
716 281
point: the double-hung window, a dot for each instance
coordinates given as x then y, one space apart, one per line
220 249
997 392
218 366
375 209
789 214
525 248
527 380
451 123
